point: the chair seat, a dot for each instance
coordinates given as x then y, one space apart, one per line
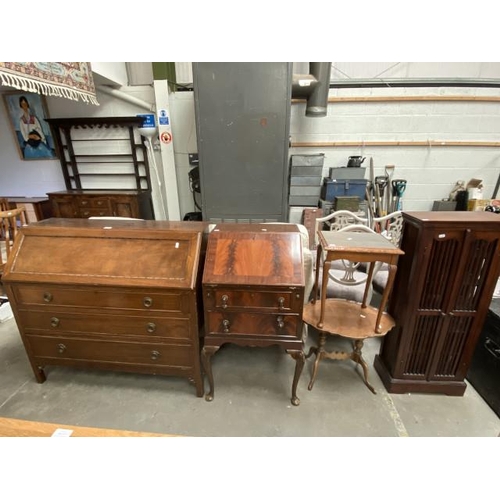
341 291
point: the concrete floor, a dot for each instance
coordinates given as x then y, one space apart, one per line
252 398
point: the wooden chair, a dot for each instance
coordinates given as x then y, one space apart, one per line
10 223
4 204
391 226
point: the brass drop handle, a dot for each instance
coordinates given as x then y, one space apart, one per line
148 301
47 297
225 325
280 321
155 355
61 348
151 328
281 303
225 298
86 213
54 322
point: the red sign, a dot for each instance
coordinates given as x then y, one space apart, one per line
166 137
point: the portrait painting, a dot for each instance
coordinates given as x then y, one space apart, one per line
27 113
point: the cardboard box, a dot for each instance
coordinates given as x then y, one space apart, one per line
477 205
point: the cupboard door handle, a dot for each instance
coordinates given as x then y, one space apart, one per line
61 348
47 297
280 321
148 301
151 327
54 322
225 325
155 355
225 298
281 303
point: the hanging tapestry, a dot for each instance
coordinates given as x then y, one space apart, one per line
72 80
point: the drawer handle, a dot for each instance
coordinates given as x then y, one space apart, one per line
281 303
54 322
86 213
280 321
99 202
84 202
47 297
225 325
155 355
61 348
225 298
151 328
148 301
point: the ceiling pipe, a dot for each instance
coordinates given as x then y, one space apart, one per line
126 97
313 87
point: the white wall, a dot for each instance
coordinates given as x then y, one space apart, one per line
431 172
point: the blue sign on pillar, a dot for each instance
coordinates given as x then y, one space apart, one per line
148 120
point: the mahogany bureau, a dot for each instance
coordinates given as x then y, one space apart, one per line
108 294
253 292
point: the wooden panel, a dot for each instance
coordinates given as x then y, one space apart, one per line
254 258
167 260
36 295
48 348
13 427
251 324
56 322
274 301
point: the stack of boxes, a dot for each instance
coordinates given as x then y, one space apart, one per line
305 179
344 189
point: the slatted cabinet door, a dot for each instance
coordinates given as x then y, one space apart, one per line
440 299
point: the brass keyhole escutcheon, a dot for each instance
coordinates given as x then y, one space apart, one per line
155 355
47 297
61 348
151 328
148 301
54 322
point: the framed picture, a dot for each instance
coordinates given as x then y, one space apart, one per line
27 113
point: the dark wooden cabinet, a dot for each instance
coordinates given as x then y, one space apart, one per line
253 291
99 203
36 208
442 292
105 166
117 295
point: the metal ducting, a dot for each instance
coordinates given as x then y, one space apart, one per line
313 87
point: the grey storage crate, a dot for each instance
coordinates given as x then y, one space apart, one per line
341 173
303 201
307 165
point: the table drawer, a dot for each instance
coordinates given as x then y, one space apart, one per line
101 298
253 324
271 301
55 322
95 212
49 348
97 202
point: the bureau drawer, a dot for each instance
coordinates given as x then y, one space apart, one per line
272 301
92 350
253 324
101 298
51 322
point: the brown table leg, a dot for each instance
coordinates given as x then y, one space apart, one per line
206 355
387 290
300 359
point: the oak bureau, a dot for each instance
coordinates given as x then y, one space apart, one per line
108 294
